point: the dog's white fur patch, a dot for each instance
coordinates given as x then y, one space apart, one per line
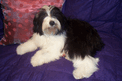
48 9
28 46
84 68
51 46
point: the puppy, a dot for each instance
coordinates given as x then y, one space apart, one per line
57 35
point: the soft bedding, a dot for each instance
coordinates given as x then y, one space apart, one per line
103 15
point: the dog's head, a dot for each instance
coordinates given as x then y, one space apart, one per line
49 20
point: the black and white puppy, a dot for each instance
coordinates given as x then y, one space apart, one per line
56 35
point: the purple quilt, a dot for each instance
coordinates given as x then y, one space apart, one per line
103 15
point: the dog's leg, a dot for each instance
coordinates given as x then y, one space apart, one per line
84 68
28 46
44 56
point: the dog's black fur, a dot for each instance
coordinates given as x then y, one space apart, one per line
81 38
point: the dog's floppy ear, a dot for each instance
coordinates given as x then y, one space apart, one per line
35 24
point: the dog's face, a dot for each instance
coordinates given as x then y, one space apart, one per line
48 21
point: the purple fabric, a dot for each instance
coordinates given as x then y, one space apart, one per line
18 68
105 16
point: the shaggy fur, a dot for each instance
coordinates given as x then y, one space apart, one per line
56 35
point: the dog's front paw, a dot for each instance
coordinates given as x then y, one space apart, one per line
36 61
20 50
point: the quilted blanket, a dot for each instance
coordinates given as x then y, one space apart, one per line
103 15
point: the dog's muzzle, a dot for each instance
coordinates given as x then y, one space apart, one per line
52 29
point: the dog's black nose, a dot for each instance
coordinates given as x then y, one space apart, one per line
52 23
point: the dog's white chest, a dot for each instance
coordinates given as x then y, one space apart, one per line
54 42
